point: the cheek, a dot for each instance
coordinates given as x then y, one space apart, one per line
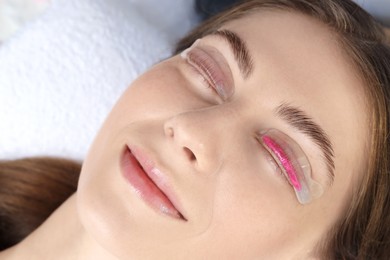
254 208
158 92
161 92
101 220
249 186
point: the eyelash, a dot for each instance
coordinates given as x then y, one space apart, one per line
204 69
207 68
283 152
294 164
275 165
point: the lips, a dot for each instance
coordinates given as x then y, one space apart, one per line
148 182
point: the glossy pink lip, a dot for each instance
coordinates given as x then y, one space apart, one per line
149 183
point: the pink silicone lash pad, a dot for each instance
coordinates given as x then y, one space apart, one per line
294 164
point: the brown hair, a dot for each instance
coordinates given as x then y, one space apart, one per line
364 231
30 190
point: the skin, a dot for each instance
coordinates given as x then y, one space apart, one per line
236 204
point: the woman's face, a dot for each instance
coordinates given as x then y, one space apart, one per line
196 125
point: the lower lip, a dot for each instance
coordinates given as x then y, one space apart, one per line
144 187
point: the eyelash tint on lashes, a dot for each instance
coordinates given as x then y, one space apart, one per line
293 163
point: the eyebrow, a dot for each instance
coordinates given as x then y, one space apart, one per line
302 122
240 51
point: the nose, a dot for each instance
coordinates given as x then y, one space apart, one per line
196 139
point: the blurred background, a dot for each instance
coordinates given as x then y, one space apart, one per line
16 13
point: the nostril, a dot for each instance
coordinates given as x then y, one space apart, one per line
191 156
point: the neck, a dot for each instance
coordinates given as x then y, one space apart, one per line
61 236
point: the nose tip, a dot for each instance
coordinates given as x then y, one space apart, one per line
186 150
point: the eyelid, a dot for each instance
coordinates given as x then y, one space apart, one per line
293 163
209 61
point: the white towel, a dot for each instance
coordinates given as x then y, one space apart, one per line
60 75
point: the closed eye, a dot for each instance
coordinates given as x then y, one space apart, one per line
273 163
293 163
213 67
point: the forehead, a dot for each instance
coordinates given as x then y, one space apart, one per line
299 60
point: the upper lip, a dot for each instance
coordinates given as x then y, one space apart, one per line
159 178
